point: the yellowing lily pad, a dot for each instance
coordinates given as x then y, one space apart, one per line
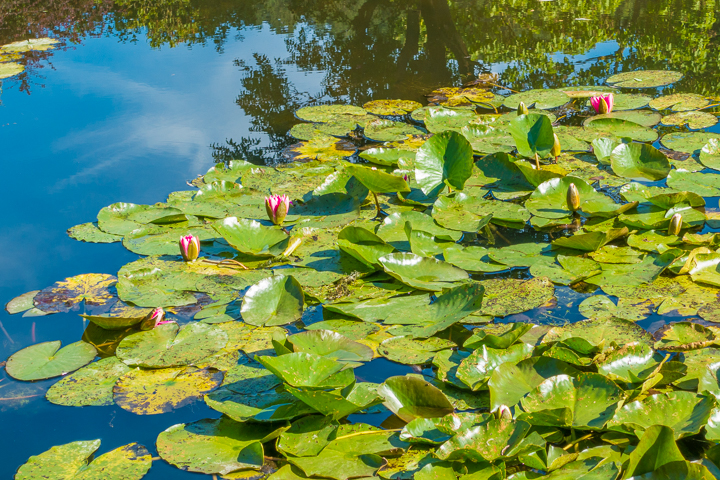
644 78
92 288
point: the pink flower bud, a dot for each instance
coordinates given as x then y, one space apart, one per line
603 103
189 247
277 207
154 319
405 177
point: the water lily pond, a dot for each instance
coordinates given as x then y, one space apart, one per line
468 240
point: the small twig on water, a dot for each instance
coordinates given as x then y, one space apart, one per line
6 333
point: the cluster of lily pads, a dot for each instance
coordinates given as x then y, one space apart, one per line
472 209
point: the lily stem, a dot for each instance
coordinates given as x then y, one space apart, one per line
377 206
225 262
537 161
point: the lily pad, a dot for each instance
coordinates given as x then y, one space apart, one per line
688 142
694 120
644 78
445 159
623 128
170 346
251 237
21 303
391 107
75 461
276 300
152 392
422 272
326 113
89 232
538 98
382 130
90 385
680 102
410 398
323 148
91 288
639 162
47 360
216 446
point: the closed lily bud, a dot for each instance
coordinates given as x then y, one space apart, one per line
675 224
155 318
189 247
573 198
292 246
603 103
504 412
277 207
556 148
522 109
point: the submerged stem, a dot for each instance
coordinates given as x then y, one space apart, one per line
377 206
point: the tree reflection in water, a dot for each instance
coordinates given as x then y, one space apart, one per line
397 49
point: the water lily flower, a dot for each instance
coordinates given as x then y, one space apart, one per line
154 319
573 198
277 207
675 224
522 109
504 412
603 103
189 247
556 148
406 178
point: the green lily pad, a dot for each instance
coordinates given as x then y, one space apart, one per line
216 446
276 300
623 128
509 296
639 162
509 382
330 344
445 159
549 200
644 78
171 346
632 363
75 461
461 96
694 120
340 402
588 335
680 102
685 412
251 237
47 360
488 139
151 392
410 398
471 259
301 369
21 303
587 91
688 142
391 107
476 369
90 385
586 401
469 213
646 118
703 184
484 442
421 272
538 98
441 119
410 351
656 449
327 113
710 154
382 130
683 336
89 232
533 135
378 181
592 241
268 406
386 156
600 306
630 101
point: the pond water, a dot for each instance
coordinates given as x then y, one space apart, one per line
140 97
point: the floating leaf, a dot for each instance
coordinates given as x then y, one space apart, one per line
410 398
276 300
171 346
680 102
421 272
47 360
694 120
21 303
89 232
391 107
533 135
300 369
92 288
623 128
90 385
688 142
323 148
75 461
378 181
215 446
382 130
644 78
538 98
326 113
445 159
251 237
685 412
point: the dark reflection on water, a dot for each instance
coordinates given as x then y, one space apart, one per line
117 114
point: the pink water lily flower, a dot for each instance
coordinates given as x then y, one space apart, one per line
189 247
277 207
603 103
